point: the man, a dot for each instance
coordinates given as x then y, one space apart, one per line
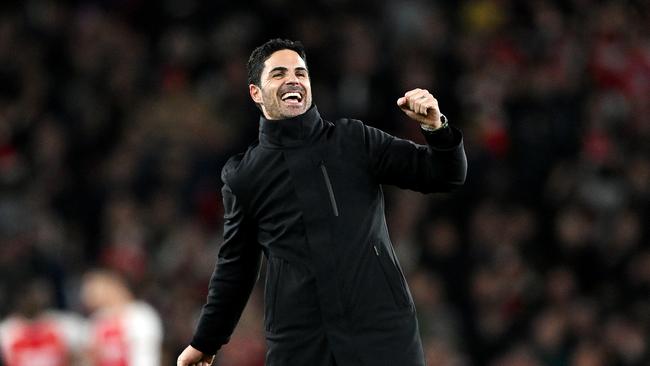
309 197
124 331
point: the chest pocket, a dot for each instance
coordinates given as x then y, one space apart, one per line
330 190
345 184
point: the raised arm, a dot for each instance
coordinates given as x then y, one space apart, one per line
439 166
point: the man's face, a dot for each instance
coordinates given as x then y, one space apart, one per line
285 89
94 292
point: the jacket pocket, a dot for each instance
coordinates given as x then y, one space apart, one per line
271 292
392 275
330 190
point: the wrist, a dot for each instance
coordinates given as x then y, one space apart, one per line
444 122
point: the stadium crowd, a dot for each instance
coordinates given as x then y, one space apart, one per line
116 117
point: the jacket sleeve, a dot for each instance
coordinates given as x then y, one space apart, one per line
439 166
236 271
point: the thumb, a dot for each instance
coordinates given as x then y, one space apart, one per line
208 359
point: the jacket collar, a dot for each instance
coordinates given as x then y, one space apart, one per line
291 132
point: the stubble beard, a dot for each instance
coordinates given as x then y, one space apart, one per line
275 109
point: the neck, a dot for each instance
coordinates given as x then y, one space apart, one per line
269 118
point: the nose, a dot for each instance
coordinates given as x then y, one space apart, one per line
292 79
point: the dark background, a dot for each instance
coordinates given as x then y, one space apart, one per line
116 117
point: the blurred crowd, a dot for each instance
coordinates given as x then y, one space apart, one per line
116 117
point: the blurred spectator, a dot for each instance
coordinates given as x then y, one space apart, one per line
36 335
123 331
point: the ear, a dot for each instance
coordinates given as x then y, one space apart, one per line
256 93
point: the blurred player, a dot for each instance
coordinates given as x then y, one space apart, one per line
33 335
124 331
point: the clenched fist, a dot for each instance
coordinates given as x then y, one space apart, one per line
193 357
421 106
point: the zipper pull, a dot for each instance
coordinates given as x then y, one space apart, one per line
376 250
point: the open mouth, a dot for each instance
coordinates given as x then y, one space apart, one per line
292 98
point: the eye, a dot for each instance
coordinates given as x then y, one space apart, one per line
277 75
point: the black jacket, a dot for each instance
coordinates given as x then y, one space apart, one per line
309 197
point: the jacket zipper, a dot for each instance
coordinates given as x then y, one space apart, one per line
326 177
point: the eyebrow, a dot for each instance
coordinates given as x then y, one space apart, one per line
284 69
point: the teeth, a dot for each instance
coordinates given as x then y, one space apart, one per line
285 96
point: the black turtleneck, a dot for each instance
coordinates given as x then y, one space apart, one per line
291 132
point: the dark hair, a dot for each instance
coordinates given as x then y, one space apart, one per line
262 53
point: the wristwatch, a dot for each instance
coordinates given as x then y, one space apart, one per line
443 119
